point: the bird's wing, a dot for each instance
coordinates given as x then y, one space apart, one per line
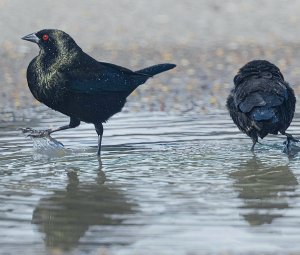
254 99
101 78
260 92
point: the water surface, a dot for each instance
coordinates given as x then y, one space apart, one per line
166 184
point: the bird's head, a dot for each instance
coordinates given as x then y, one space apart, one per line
258 69
52 41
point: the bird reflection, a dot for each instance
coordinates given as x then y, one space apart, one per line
264 190
65 216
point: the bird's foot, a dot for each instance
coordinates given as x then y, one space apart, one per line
290 148
292 139
36 133
27 130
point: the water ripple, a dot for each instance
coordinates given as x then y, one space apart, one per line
164 182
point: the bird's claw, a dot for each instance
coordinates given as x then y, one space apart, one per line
292 139
290 148
39 134
27 130
36 133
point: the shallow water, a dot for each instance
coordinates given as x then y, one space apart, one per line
166 184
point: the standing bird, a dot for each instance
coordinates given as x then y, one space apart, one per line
68 80
261 102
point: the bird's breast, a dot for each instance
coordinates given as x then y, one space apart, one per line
44 85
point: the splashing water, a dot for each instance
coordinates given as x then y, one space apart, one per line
48 146
44 144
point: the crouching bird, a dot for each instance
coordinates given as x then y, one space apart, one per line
261 102
68 80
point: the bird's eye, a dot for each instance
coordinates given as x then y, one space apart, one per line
45 37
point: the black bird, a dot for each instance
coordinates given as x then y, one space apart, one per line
70 81
261 102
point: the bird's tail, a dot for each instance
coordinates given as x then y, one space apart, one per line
264 114
265 120
153 70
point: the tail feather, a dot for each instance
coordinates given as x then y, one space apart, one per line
264 114
156 69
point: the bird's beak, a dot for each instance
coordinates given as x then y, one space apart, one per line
31 38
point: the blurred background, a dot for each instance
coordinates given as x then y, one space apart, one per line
208 40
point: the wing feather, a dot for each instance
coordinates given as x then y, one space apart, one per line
101 78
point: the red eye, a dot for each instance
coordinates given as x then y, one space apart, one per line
45 37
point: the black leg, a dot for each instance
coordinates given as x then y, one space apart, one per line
289 139
99 130
253 145
73 124
254 139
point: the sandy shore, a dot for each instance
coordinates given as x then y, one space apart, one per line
208 40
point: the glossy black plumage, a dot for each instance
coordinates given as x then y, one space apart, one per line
261 102
68 80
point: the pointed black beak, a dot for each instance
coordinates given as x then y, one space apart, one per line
31 38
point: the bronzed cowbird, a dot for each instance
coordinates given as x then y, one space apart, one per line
261 102
68 80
